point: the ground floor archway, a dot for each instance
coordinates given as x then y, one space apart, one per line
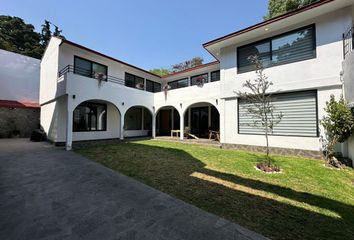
137 122
167 119
95 119
202 120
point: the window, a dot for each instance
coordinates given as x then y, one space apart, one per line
179 83
134 81
152 86
90 117
201 77
290 47
90 69
215 76
299 111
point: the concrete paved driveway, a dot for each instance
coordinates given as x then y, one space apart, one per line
48 193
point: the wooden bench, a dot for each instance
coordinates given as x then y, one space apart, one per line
177 132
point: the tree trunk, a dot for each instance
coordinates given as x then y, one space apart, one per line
266 135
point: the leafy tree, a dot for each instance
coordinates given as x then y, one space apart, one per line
260 105
57 32
19 37
160 71
196 61
338 125
277 7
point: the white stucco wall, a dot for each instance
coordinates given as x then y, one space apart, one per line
324 70
49 72
348 78
351 149
321 73
53 119
19 77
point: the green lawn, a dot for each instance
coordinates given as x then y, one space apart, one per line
305 201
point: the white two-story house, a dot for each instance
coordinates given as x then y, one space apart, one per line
86 95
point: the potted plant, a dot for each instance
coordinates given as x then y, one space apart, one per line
100 76
200 81
140 86
165 88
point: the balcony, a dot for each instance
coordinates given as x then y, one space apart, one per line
348 41
86 73
83 85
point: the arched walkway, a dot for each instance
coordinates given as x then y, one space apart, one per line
95 119
167 119
202 119
137 122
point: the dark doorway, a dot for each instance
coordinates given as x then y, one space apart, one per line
199 121
167 119
215 119
164 119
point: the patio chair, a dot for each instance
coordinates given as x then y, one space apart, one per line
187 133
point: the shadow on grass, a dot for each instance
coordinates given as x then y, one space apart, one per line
274 211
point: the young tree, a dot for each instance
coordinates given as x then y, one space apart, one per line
277 7
338 125
196 61
259 102
46 33
19 37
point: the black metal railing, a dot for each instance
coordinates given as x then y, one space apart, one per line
348 41
90 74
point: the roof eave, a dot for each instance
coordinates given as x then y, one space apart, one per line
265 23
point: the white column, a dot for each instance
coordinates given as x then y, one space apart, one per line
122 126
153 125
69 128
222 119
181 125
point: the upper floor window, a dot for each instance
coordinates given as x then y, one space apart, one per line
134 81
152 86
290 47
201 77
179 83
215 76
89 68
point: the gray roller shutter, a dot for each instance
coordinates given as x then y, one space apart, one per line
299 115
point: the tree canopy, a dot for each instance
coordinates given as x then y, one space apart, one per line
196 61
276 7
160 71
193 62
20 37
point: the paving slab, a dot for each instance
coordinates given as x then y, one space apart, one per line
49 193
